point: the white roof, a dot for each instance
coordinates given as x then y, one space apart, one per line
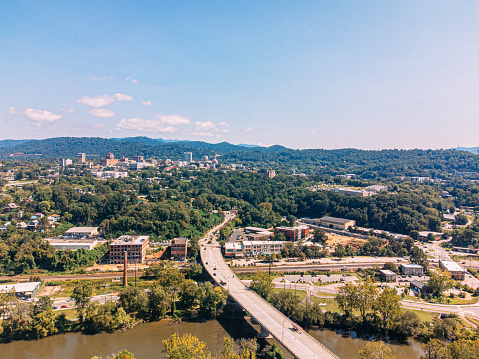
412 265
256 243
452 266
20 287
82 230
387 272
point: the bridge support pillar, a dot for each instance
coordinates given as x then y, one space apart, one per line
264 334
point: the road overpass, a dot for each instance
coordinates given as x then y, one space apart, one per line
299 343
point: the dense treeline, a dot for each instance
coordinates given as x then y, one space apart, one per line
169 294
403 211
112 205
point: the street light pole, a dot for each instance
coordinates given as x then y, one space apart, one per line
282 333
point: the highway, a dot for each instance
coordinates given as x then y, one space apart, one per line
299 343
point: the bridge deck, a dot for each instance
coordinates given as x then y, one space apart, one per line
301 345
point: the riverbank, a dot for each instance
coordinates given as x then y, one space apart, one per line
145 341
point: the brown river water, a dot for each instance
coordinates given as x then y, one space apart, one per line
145 341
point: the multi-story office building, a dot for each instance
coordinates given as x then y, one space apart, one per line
179 248
412 269
456 271
293 233
135 246
81 158
188 156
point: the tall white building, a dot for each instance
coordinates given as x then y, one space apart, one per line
188 156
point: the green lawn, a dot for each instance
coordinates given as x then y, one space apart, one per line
423 316
300 293
69 313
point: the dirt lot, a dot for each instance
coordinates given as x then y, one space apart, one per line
335 239
49 291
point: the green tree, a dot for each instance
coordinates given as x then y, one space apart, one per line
339 251
367 294
319 236
262 283
133 300
387 305
82 296
211 299
376 350
347 298
274 352
439 281
43 304
43 323
186 346
158 301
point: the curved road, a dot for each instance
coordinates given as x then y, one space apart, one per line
299 343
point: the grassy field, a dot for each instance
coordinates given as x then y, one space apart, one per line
69 313
300 293
98 286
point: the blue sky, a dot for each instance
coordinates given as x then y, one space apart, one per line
303 74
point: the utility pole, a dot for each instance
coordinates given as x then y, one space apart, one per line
125 261
135 272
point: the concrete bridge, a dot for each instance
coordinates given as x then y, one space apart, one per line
299 343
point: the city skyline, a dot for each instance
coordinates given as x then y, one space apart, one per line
305 75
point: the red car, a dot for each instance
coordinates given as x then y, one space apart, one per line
64 306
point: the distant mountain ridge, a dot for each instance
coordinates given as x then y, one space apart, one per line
128 146
474 150
10 143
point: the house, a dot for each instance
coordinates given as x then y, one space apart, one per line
54 218
412 269
419 287
37 216
22 225
11 206
387 275
4 226
33 224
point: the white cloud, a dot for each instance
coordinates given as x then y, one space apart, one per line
139 124
226 131
104 78
132 80
97 101
68 109
98 125
12 110
41 117
102 113
122 97
146 103
103 100
248 130
202 133
223 124
205 126
173 120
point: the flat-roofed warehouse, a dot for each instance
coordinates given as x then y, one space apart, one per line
82 232
22 290
456 271
337 223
